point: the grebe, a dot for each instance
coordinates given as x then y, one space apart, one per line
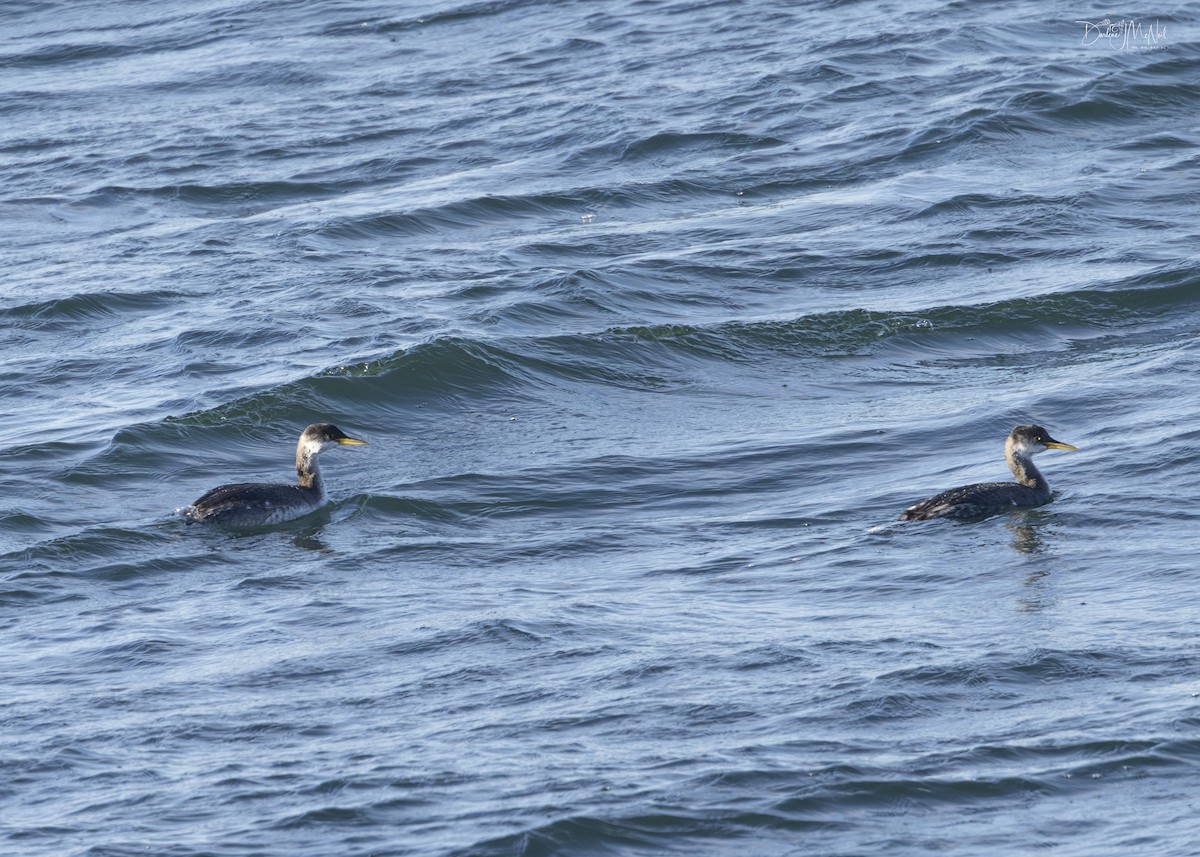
987 498
255 504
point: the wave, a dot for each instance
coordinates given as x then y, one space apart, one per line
509 368
769 811
88 309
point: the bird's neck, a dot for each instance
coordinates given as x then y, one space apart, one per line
1026 472
308 471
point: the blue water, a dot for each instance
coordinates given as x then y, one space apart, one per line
655 315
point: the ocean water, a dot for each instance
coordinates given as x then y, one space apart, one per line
655 314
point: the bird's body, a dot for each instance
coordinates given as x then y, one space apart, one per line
253 504
987 498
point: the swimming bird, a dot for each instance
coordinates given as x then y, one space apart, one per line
254 504
987 498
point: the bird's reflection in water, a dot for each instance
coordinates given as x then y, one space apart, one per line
1026 538
1037 595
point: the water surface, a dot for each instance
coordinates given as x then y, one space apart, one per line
655 316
